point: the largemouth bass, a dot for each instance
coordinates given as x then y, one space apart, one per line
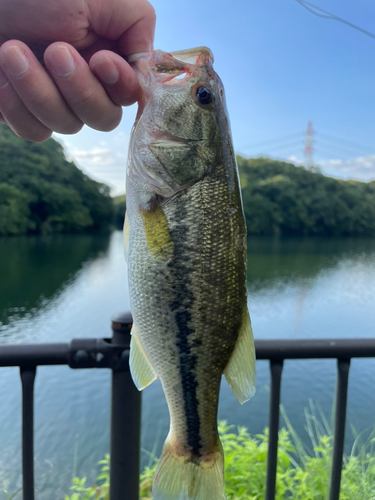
185 239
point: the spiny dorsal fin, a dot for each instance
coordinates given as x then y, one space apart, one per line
142 372
240 370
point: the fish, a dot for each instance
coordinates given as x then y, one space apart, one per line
185 246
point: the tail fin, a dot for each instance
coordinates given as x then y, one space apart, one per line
189 478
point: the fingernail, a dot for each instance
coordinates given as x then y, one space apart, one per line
61 61
106 70
15 61
3 79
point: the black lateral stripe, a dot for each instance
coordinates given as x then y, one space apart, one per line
182 305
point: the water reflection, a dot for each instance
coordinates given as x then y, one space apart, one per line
273 262
70 286
34 269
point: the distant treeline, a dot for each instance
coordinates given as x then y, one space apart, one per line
41 192
280 198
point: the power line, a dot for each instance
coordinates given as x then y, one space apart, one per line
322 151
345 143
318 11
272 141
349 149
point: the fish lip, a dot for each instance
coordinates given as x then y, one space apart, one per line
202 53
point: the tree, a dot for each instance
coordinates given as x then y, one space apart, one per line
50 192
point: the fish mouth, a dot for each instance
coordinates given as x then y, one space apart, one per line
197 55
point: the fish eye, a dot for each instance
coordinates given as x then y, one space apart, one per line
203 95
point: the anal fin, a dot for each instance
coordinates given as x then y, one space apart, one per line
240 370
140 367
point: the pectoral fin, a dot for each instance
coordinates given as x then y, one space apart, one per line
158 237
240 370
142 372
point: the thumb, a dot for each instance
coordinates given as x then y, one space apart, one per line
130 22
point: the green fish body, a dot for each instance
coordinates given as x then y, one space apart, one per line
185 239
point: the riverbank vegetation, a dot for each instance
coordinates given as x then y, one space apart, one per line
41 192
302 474
280 198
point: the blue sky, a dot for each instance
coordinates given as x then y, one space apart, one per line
281 67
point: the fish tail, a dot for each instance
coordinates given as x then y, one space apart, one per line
183 476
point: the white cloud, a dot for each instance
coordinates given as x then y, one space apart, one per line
361 168
294 159
95 156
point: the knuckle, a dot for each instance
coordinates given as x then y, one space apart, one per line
82 99
11 107
38 100
150 12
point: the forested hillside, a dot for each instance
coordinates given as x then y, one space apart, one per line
41 192
280 198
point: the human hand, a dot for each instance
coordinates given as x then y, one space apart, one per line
84 79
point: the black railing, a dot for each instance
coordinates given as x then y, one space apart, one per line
126 400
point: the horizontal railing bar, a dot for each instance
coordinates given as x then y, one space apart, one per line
59 353
34 354
315 348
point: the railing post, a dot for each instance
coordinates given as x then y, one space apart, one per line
343 366
125 421
27 378
273 437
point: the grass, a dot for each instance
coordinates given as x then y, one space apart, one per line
302 473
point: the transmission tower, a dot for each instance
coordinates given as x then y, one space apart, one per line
309 148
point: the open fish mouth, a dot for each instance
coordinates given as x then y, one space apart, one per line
194 56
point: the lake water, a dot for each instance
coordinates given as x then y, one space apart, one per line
53 289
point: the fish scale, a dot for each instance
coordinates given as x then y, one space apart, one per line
186 254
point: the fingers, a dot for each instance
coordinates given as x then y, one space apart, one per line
117 77
17 116
131 22
35 102
139 37
82 92
31 86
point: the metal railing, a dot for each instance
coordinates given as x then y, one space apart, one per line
126 400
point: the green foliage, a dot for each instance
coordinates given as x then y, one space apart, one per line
280 198
302 474
120 207
42 193
95 492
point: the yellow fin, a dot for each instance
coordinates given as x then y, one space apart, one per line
240 370
181 477
126 235
142 372
159 241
